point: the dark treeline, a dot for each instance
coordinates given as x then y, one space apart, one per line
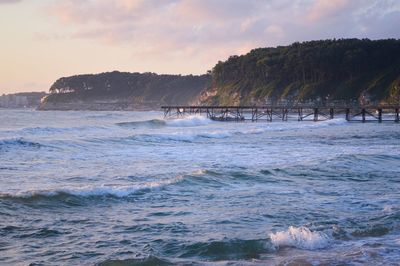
147 89
329 70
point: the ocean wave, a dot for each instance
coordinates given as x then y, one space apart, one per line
300 237
116 191
220 133
21 142
151 260
229 249
181 136
189 121
53 130
335 121
263 127
374 231
153 123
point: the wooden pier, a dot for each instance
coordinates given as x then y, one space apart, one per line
269 113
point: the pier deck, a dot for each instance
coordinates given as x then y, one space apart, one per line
378 113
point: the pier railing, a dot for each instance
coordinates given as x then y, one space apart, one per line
304 112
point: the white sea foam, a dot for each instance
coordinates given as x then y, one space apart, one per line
300 237
335 121
118 191
215 135
262 127
184 136
189 121
389 208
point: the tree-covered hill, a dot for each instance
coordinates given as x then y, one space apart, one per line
332 69
122 90
345 69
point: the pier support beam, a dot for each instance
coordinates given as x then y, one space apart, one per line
380 115
315 114
254 115
363 112
300 117
270 116
284 114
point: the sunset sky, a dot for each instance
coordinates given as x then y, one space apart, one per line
42 40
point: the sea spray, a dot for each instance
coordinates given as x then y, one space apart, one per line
300 237
189 121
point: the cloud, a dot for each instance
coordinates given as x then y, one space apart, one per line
211 30
321 9
9 1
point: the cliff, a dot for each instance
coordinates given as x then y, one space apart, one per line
123 91
323 70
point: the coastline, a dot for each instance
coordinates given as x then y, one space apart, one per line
94 106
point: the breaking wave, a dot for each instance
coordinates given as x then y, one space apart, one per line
182 136
153 123
91 191
300 237
189 121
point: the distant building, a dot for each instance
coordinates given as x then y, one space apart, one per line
21 100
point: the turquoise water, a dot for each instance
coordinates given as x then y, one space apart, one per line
128 188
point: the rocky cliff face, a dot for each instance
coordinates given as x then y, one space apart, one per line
123 91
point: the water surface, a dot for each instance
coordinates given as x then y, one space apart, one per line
128 187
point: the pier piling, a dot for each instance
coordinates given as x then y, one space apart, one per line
269 113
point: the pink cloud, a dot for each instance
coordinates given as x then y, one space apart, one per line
324 8
210 30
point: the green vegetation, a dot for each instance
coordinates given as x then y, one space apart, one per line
140 89
345 69
333 69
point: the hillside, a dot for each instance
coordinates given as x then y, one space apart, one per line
123 91
326 70
330 70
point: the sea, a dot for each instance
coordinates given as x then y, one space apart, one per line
130 188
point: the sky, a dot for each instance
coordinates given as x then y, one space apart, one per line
43 40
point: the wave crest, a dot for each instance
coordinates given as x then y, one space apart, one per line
181 136
300 237
90 191
189 121
153 123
